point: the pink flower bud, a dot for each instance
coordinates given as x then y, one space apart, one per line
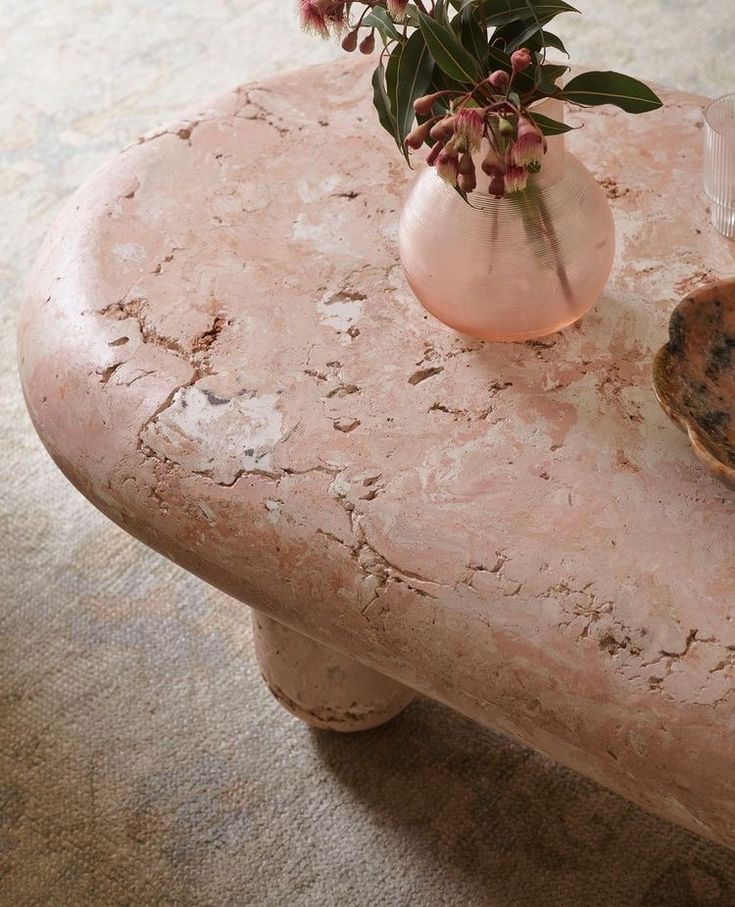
467 179
528 148
447 166
436 150
497 186
349 43
516 179
367 45
397 9
422 106
521 59
499 80
443 130
469 127
505 127
493 164
467 182
419 135
466 164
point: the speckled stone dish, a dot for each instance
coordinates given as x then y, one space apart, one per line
694 375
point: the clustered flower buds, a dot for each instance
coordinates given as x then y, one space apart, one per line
325 17
469 124
515 146
454 122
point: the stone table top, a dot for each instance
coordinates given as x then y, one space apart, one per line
219 350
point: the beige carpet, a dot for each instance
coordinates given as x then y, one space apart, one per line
141 759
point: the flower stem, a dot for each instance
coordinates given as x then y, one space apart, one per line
549 231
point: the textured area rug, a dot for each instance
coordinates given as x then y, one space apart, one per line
142 760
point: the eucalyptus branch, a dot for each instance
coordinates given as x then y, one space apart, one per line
465 59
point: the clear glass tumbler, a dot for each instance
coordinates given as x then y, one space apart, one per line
719 163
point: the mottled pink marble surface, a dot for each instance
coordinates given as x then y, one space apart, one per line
219 349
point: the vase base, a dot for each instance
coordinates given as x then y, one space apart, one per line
493 335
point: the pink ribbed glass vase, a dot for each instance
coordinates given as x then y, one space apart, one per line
513 268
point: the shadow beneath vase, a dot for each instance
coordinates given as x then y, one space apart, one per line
486 821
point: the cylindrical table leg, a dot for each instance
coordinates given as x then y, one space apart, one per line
319 685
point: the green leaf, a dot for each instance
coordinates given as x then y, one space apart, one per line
550 72
525 36
382 103
497 58
441 82
553 71
462 194
529 34
552 40
445 47
391 81
472 35
379 19
595 88
440 13
413 15
414 67
549 126
502 12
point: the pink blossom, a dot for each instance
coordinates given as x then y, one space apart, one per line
319 16
313 18
447 166
469 127
334 12
397 9
516 179
528 148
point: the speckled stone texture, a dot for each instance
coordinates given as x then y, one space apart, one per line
694 375
142 758
219 350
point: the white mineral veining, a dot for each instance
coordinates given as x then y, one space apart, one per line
247 431
339 311
128 251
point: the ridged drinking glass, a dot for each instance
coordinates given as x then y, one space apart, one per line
719 163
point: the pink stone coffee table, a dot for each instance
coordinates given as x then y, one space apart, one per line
219 350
